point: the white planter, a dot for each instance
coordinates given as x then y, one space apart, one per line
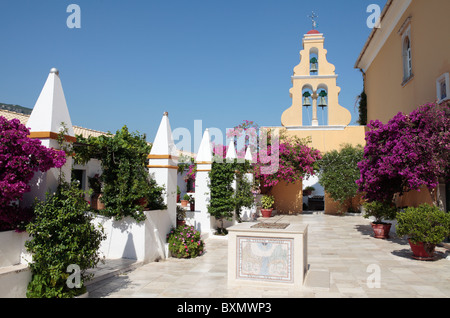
12 248
145 241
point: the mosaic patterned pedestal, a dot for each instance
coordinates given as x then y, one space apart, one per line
264 255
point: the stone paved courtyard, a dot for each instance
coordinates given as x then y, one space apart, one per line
342 255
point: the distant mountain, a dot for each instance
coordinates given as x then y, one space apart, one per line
16 108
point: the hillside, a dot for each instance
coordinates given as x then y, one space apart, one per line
16 108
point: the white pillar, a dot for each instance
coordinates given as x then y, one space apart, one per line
45 123
163 165
315 120
203 221
247 213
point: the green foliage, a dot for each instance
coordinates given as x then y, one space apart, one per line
186 197
61 234
380 211
426 224
362 109
267 202
125 178
222 203
185 242
224 199
339 172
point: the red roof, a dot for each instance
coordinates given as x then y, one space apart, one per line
313 32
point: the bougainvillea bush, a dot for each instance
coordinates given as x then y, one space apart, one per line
296 160
185 242
409 152
20 158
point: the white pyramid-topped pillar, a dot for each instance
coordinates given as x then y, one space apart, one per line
163 165
248 214
49 117
204 159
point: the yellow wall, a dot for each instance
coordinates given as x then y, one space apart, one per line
328 140
288 197
430 45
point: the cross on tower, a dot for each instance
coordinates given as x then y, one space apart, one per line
313 16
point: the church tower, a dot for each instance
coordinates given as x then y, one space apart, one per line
315 92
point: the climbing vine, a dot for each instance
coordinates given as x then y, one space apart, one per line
127 187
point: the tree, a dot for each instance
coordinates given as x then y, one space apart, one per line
20 158
407 153
339 172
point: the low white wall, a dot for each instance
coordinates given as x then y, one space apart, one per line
14 271
144 241
12 248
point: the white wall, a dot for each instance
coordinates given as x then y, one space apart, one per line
145 241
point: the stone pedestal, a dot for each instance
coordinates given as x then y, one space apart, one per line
259 254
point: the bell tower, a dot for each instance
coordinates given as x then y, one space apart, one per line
314 85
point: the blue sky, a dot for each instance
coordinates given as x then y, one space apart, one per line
221 62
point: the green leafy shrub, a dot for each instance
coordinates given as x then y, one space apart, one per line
380 211
185 242
267 201
61 235
426 224
222 203
339 172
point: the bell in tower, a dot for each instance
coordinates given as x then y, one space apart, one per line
306 99
322 99
314 66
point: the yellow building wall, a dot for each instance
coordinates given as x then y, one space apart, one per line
329 140
430 46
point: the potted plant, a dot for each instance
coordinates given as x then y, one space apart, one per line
95 185
185 200
425 226
380 211
308 190
267 202
192 202
181 216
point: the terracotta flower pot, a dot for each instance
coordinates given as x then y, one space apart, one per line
96 203
381 230
143 202
266 213
184 203
422 251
